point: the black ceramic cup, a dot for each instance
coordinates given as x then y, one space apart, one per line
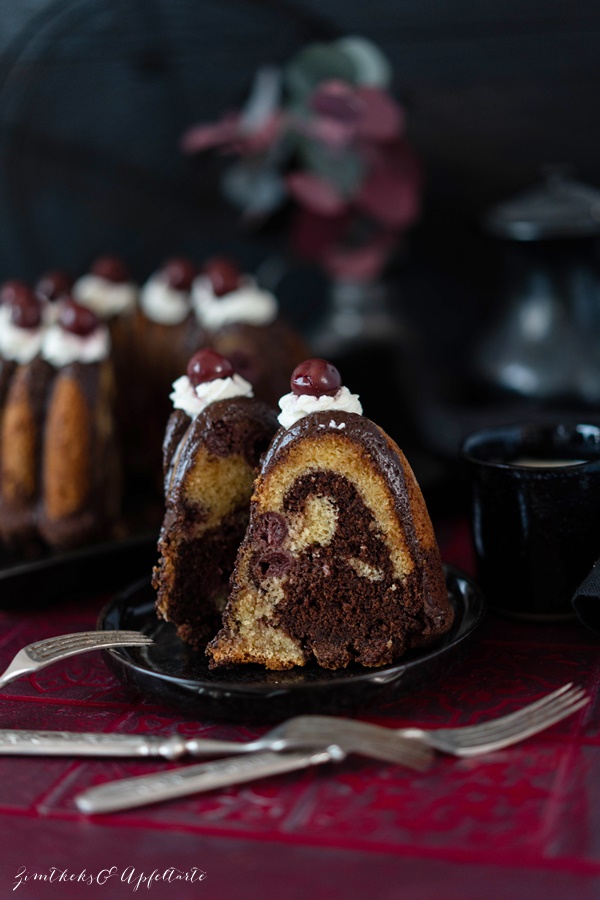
535 514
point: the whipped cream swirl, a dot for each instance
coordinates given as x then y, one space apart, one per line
162 303
295 406
248 304
105 298
194 400
18 344
60 347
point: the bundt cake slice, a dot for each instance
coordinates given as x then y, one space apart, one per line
340 562
212 447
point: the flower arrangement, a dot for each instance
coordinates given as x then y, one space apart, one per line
326 133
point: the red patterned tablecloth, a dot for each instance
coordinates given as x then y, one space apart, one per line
522 822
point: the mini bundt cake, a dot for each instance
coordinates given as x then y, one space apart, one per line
81 473
213 444
58 471
340 562
25 383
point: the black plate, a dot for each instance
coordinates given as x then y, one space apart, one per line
178 676
91 570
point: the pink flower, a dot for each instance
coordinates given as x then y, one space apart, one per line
344 114
230 136
316 194
391 192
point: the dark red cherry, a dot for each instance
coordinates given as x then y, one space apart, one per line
271 564
53 285
179 273
271 529
26 313
15 291
111 268
207 365
316 377
223 273
77 319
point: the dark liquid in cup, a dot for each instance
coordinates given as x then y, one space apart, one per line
535 515
538 462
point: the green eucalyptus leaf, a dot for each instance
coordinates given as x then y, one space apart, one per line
372 67
317 63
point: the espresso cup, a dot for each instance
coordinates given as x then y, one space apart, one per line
535 514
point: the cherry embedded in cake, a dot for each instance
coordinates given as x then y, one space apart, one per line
339 564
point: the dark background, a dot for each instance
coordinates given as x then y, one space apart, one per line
95 95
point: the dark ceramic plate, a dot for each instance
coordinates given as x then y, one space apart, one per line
97 568
175 675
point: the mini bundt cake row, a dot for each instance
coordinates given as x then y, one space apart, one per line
59 473
71 424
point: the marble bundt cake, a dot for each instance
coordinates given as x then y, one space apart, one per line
213 443
340 563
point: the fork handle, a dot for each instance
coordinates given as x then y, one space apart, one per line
17 742
132 792
20 742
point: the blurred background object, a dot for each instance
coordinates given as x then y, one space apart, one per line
94 98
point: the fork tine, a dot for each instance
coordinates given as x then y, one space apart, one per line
519 714
41 653
461 741
514 722
520 735
84 637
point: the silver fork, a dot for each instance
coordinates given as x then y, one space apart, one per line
42 653
469 740
336 737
